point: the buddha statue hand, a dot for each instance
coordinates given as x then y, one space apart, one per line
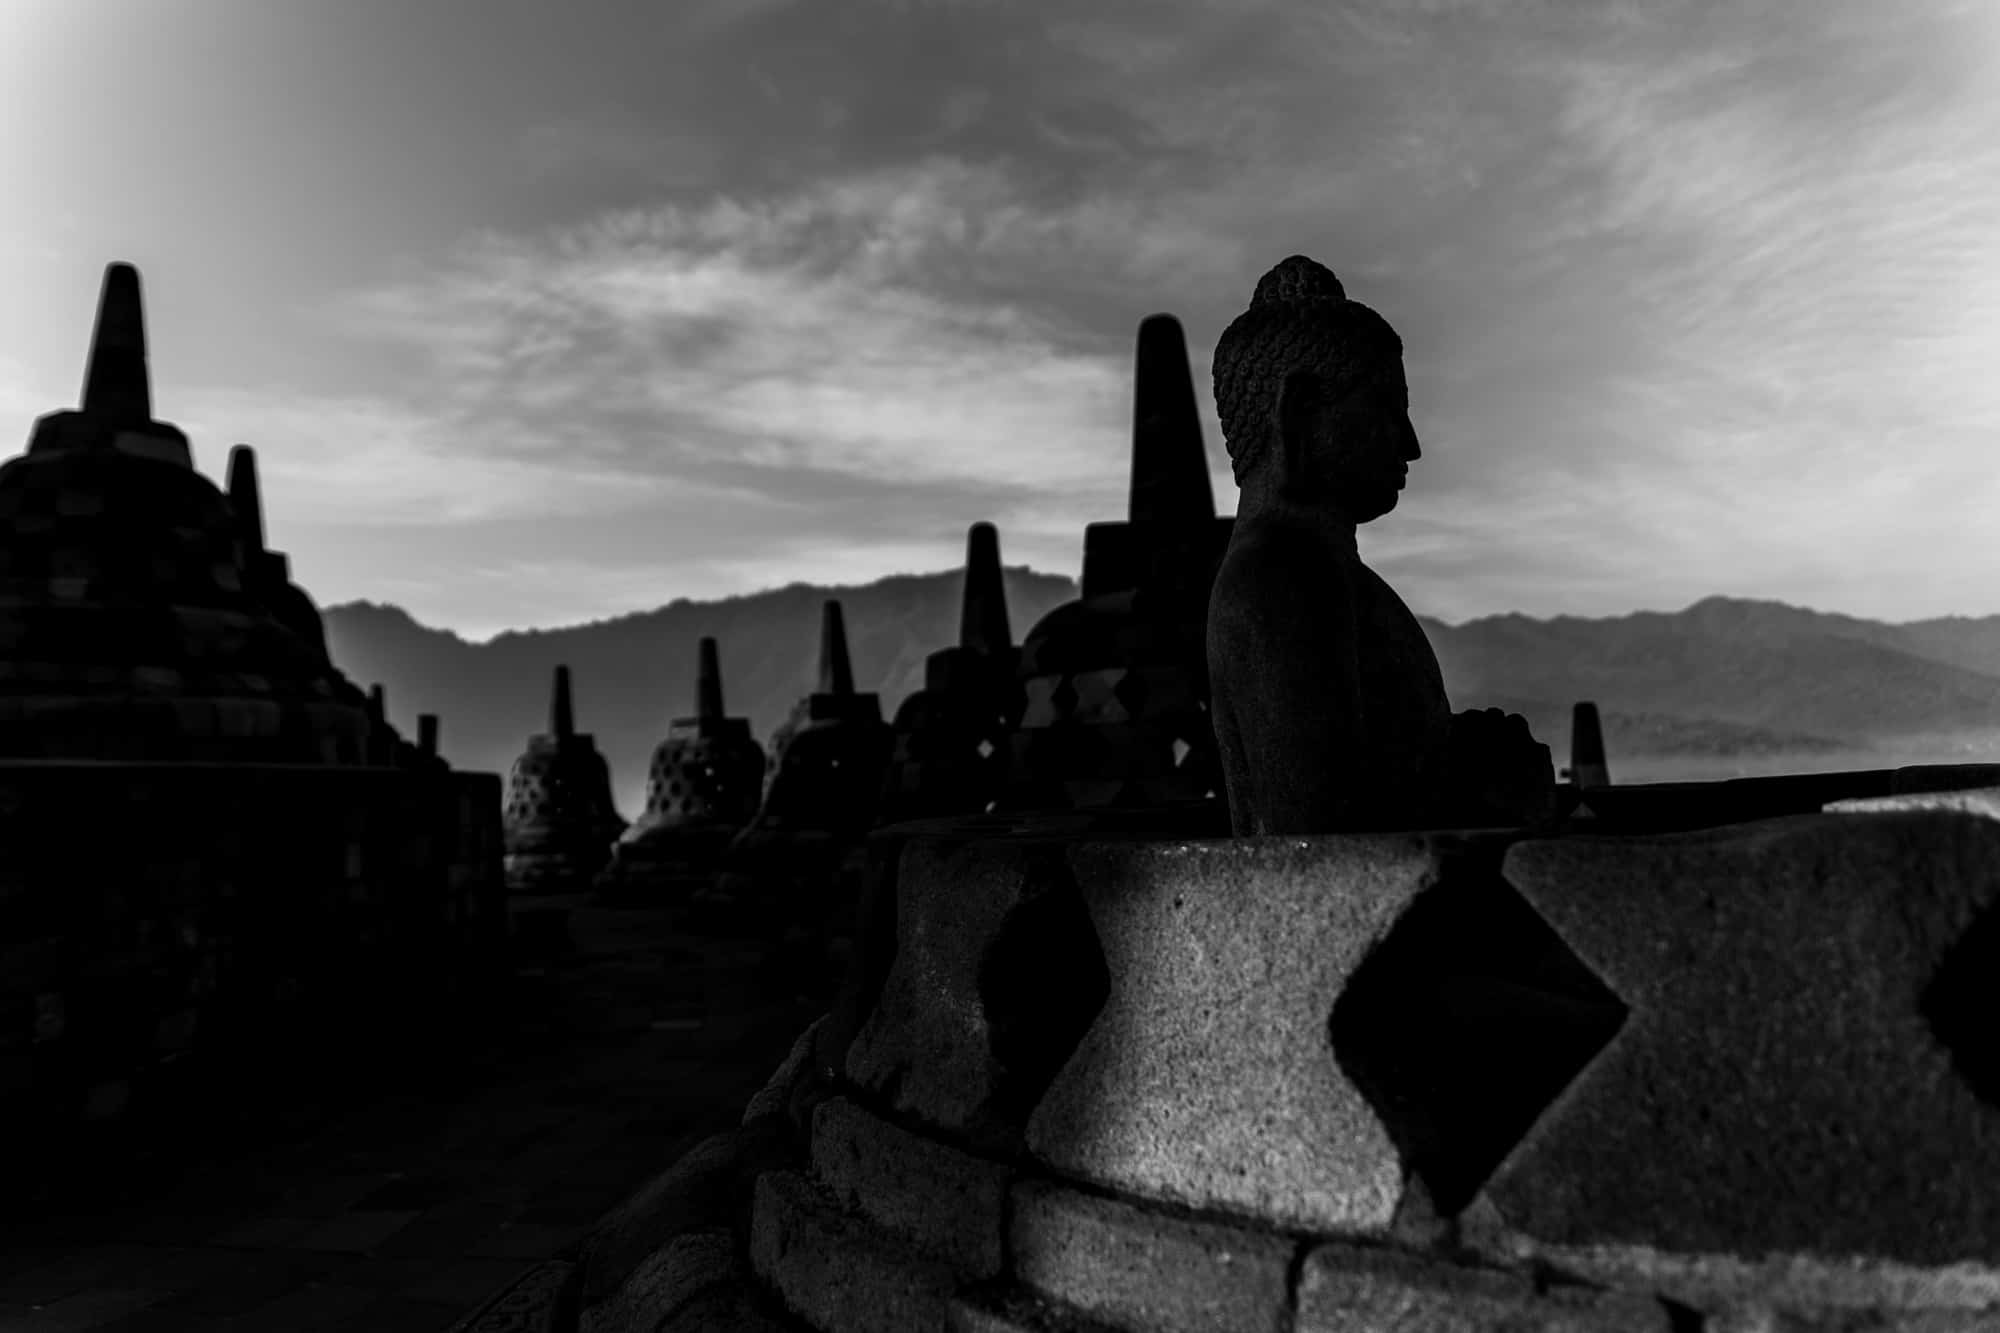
1499 773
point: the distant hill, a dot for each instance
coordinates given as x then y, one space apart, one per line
1724 677
635 674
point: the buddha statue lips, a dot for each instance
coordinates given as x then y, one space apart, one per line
1329 709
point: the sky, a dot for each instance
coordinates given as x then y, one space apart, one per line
543 313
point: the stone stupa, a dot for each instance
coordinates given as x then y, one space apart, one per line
140 623
951 737
703 787
559 817
1116 683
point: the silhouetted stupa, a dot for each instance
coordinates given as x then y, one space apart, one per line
703 787
951 752
140 625
559 817
1116 683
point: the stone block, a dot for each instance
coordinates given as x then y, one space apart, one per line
947 1203
837 1271
996 975
1349 1289
667 1281
1008 1308
1805 1069
1209 1078
707 1189
1134 1268
775 1096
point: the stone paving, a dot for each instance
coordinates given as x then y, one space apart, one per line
340 1208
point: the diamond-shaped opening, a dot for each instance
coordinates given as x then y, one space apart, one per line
985 748
1181 751
1041 984
1464 1024
1959 1003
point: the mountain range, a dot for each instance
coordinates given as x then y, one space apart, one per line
1725 686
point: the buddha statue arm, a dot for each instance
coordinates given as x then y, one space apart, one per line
1288 700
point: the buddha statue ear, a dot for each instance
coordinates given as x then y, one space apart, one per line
1295 419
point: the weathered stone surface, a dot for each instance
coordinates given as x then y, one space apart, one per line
707 1189
838 1271
667 1280
996 975
1209 1078
1008 1308
774 1098
532 1303
948 1204
1138 1269
1805 1067
1348 1289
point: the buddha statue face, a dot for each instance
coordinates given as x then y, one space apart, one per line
1347 450
1315 410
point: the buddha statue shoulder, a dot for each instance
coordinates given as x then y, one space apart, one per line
1329 709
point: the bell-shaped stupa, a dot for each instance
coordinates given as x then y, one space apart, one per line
559 819
1116 683
821 787
139 623
951 738
702 789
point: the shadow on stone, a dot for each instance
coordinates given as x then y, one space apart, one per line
1463 1025
1959 1003
1041 984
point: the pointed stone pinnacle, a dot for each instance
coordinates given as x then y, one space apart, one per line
378 702
562 718
427 732
982 616
708 683
115 384
244 497
1587 765
836 673
1169 462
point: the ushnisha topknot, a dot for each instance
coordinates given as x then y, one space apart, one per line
1299 319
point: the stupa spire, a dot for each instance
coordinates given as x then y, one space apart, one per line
427 732
1587 764
1169 464
708 683
115 382
244 496
982 617
562 717
378 702
836 673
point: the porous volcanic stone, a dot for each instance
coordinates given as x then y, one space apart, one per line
1209 1078
996 974
1135 1268
838 1271
1349 1289
667 1281
1805 1070
947 1203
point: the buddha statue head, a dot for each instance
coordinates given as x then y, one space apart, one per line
1314 406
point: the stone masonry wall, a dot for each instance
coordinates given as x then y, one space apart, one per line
1729 1079
150 913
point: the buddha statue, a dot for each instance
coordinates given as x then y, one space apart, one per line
1329 709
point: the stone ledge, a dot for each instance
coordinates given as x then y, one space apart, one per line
1135 1268
837 1271
1345 1287
945 1203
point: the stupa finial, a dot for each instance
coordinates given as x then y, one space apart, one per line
115 383
982 617
562 718
1169 465
1587 764
427 733
836 673
708 683
244 496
